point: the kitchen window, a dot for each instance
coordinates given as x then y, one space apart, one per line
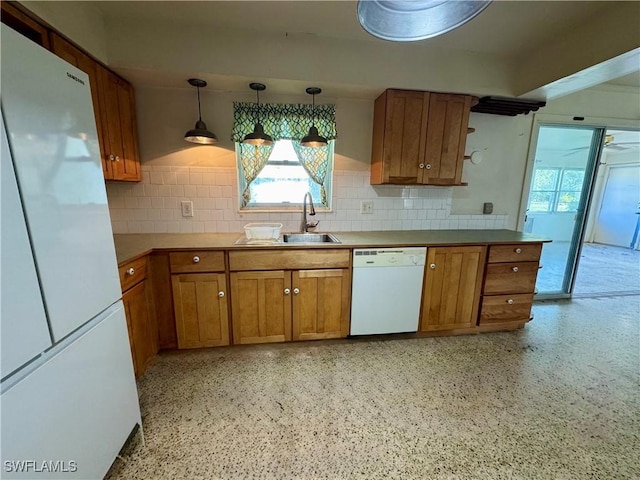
556 190
276 177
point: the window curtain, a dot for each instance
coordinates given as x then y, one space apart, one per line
288 122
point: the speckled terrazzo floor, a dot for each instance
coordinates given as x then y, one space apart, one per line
557 400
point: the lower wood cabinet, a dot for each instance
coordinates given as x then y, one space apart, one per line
321 304
451 295
201 311
281 305
509 285
142 338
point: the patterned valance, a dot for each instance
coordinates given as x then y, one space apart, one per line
283 121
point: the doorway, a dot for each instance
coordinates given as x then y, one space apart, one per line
564 167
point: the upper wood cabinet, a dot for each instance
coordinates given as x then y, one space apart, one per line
117 112
451 294
419 138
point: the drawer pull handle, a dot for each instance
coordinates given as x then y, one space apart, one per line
518 250
196 259
539 266
131 271
510 301
221 294
515 269
287 291
432 266
296 291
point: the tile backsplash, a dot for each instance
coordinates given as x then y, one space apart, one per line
153 205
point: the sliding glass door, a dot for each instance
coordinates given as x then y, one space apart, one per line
565 162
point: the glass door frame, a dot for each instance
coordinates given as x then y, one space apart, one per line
600 125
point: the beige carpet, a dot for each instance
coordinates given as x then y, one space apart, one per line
557 400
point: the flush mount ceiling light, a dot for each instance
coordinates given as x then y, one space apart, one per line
258 137
200 134
313 138
411 20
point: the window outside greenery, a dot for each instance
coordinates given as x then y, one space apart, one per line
556 190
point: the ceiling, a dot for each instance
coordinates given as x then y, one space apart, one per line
505 28
508 31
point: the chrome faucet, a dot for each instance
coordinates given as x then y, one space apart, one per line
305 225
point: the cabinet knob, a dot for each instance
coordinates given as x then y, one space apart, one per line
287 291
432 266
196 259
510 301
131 271
515 269
296 291
117 158
112 157
421 165
518 250
428 166
221 294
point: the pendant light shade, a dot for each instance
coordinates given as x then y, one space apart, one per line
408 21
313 138
200 134
258 136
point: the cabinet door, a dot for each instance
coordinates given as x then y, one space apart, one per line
261 306
200 305
117 107
65 50
452 285
400 123
320 304
143 343
446 137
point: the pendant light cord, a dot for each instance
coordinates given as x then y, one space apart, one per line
313 110
199 112
258 109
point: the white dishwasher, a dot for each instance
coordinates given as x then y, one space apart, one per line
387 288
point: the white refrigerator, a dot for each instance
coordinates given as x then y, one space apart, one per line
68 398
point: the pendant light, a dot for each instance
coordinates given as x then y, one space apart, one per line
404 21
313 138
258 137
200 134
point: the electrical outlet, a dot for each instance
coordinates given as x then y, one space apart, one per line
366 206
187 208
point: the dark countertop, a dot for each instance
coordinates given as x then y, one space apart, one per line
131 246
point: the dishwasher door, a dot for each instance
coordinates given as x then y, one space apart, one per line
387 291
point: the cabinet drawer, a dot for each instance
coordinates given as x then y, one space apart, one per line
289 259
510 278
524 252
196 261
506 308
132 273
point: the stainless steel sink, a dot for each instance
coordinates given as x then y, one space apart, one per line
309 238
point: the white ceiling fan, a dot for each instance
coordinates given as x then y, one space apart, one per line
609 144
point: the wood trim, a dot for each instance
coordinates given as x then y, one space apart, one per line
377 176
288 259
